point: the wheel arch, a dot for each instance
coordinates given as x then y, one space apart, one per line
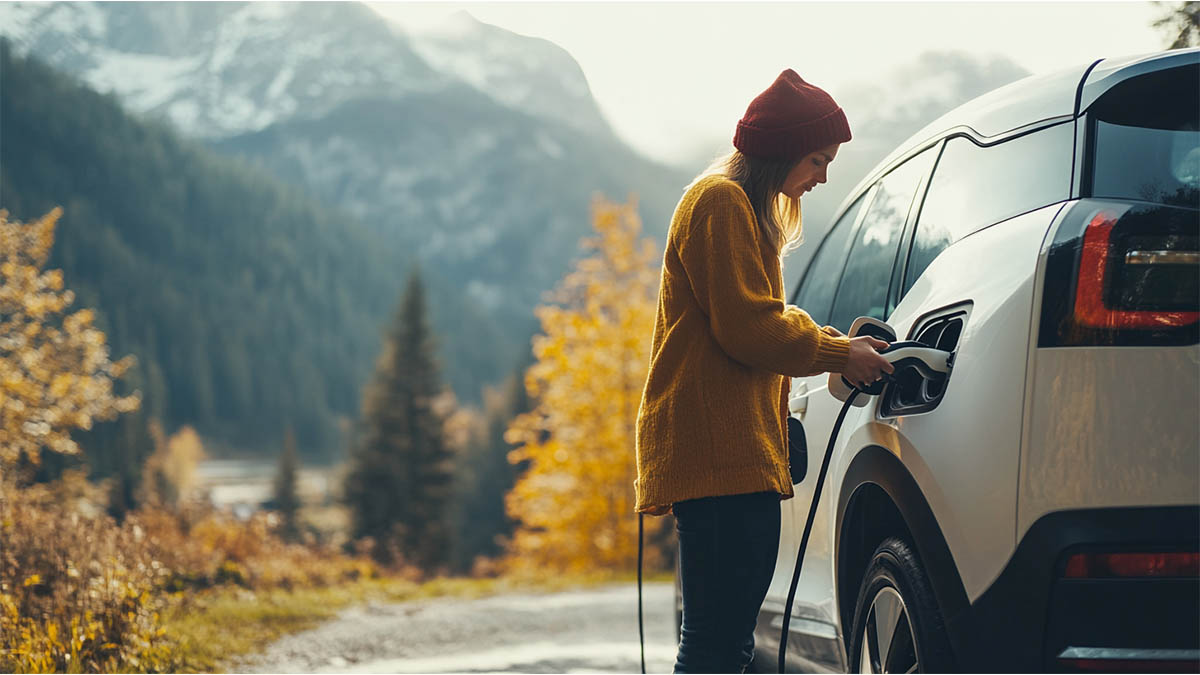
878 497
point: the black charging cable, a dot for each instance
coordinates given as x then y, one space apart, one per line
812 513
641 629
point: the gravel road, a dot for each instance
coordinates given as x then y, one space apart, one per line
583 631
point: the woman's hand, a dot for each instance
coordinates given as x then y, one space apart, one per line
865 366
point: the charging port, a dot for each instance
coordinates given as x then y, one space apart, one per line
910 393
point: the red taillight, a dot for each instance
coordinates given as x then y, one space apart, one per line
1097 273
1099 565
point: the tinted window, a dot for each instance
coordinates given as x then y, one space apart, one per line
1147 146
973 187
816 296
864 285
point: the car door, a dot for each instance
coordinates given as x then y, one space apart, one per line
856 263
815 295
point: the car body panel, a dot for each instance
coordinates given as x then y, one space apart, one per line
963 479
964 455
814 611
1095 441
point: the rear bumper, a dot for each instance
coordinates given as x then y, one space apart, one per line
1032 620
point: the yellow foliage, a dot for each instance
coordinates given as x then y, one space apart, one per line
55 375
80 592
74 588
575 502
169 474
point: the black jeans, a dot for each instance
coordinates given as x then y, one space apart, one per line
727 550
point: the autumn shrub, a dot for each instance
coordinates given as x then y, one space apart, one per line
201 547
76 594
80 592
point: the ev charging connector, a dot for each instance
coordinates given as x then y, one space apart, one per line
932 364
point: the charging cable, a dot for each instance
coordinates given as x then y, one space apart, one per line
641 629
812 512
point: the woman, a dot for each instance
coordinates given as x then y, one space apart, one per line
711 434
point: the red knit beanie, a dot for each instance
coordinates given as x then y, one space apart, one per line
789 120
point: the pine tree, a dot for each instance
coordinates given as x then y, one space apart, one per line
1180 21
399 485
486 476
287 499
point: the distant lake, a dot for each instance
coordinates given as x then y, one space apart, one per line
246 483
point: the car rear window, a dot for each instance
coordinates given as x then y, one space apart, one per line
1146 139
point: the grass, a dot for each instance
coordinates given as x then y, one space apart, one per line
212 628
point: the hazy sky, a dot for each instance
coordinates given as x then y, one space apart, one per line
673 76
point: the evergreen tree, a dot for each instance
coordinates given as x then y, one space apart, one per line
1180 21
486 476
399 485
287 500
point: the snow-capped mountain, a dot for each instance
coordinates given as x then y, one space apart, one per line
221 69
474 150
526 73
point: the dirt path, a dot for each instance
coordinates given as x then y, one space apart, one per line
593 630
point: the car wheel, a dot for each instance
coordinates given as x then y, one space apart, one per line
897 625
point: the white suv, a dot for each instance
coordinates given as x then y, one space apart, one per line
1039 510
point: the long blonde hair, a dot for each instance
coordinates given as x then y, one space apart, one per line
777 214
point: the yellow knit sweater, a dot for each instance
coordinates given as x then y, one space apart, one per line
712 419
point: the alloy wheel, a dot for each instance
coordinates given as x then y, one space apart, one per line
888 641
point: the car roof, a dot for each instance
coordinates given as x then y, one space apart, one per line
1029 102
1110 72
1022 103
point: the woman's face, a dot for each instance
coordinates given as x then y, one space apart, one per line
809 171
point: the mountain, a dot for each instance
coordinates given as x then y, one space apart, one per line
499 199
528 74
225 68
248 305
221 69
475 150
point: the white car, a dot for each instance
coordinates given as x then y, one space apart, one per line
1039 510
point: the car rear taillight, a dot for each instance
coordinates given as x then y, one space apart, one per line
1123 274
1184 564
1134 281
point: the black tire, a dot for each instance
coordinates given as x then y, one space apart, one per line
896 595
